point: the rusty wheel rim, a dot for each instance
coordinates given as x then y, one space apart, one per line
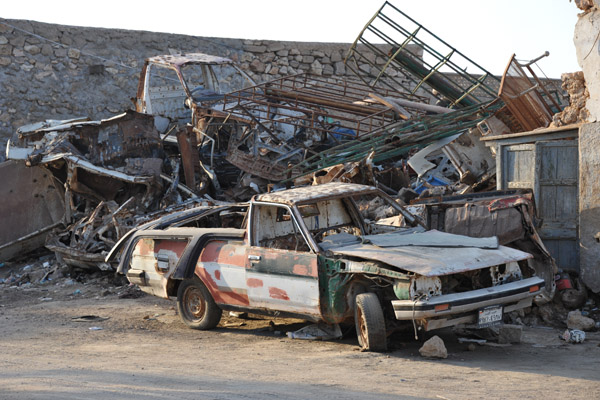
362 328
194 302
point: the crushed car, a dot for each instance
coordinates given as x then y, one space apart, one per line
314 253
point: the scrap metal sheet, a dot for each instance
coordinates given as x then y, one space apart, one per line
436 261
432 238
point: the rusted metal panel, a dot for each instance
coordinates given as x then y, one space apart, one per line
309 194
476 220
32 204
526 98
158 259
284 280
427 261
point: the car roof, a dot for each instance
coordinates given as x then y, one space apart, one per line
309 194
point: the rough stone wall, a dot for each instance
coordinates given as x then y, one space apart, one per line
586 39
52 71
589 205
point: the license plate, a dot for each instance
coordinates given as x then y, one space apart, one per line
489 316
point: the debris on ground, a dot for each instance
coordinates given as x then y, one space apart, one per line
510 334
434 348
317 332
575 320
573 336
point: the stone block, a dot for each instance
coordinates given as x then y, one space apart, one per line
294 64
47 50
60 52
257 66
3 40
18 52
294 52
27 67
369 56
318 53
74 54
577 321
17 41
365 68
336 56
40 76
247 57
267 57
4 61
307 59
277 46
327 70
510 334
5 29
340 68
6 50
255 48
434 348
283 53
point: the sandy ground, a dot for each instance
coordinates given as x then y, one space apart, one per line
143 351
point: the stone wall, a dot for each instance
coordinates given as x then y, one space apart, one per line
52 71
587 31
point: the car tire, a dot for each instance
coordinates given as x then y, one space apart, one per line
195 305
370 323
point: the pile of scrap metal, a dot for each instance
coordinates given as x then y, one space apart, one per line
89 182
410 123
467 106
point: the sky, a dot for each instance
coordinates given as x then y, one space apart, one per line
487 31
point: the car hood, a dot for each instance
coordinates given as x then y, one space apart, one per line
432 253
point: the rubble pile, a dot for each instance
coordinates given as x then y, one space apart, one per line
43 273
204 132
574 85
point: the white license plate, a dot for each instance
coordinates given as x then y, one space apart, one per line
489 316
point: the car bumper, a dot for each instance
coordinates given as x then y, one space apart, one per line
512 295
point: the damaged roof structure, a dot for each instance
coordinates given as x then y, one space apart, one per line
203 132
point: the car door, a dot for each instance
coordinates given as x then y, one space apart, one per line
153 260
281 273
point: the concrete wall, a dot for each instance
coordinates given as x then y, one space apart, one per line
587 47
50 71
589 205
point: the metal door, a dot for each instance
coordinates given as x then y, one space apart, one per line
556 193
550 168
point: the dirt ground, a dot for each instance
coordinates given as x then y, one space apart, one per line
139 349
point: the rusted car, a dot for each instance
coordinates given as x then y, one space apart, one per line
313 253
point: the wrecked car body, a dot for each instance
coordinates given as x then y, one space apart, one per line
310 252
106 174
508 215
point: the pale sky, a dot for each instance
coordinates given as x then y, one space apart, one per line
487 31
